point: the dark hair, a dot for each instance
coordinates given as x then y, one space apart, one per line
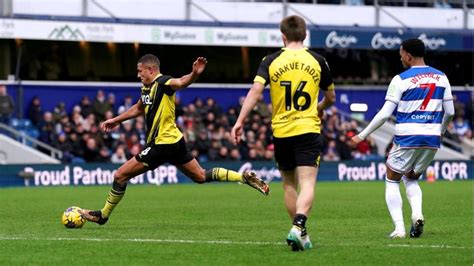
294 28
150 60
415 47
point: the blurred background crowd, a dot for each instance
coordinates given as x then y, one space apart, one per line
205 126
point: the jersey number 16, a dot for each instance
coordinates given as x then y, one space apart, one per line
293 99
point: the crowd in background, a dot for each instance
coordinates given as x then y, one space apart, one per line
204 124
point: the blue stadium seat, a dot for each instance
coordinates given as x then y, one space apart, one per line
26 123
33 132
14 122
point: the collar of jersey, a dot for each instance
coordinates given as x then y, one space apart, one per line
289 49
151 84
157 76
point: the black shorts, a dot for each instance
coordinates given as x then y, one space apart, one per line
155 155
301 150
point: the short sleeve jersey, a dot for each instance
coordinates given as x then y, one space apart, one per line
159 101
419 93
295 78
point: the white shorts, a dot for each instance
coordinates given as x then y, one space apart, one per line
403 160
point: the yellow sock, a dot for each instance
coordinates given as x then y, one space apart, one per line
115 195
222 174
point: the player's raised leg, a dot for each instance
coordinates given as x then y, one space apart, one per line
193 170
128 170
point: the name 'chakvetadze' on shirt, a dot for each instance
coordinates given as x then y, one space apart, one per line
295 66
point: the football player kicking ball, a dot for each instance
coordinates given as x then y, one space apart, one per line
165 143
422 95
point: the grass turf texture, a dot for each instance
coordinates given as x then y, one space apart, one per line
227 224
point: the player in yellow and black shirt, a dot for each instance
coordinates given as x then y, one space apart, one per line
165 143
295 75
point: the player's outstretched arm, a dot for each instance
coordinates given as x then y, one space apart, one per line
198 67
134 111
250 101
377 121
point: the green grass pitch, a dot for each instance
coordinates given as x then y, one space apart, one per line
228 224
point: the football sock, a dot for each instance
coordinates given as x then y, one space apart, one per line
414 196
222 174
300 221
394 203
115 195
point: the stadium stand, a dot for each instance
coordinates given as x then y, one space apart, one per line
348 44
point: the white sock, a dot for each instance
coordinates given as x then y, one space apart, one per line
414 196
394 203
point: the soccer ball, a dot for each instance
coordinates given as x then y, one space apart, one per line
73 218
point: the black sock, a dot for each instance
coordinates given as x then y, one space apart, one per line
209 175
300 221
119 187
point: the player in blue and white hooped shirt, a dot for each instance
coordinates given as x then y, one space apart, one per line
424 103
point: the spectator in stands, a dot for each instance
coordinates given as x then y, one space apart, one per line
269 153
46 128
461 127
119 155
374 150
213 152
211 106
127 103
232 115
61 143
111 103
104 155
205 135
201 111
459 106
77 147
235 155
203 143
223 154
35 111
261 108
6 105
331 154
97 135
91 151
134 150
210 119
253 155
343 147
86 106
61 123
59 111
100 106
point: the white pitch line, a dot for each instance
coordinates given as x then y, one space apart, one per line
222 242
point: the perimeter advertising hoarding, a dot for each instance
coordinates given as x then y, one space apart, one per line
140 33
390 39
102 174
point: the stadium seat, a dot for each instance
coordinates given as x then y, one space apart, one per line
14 122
